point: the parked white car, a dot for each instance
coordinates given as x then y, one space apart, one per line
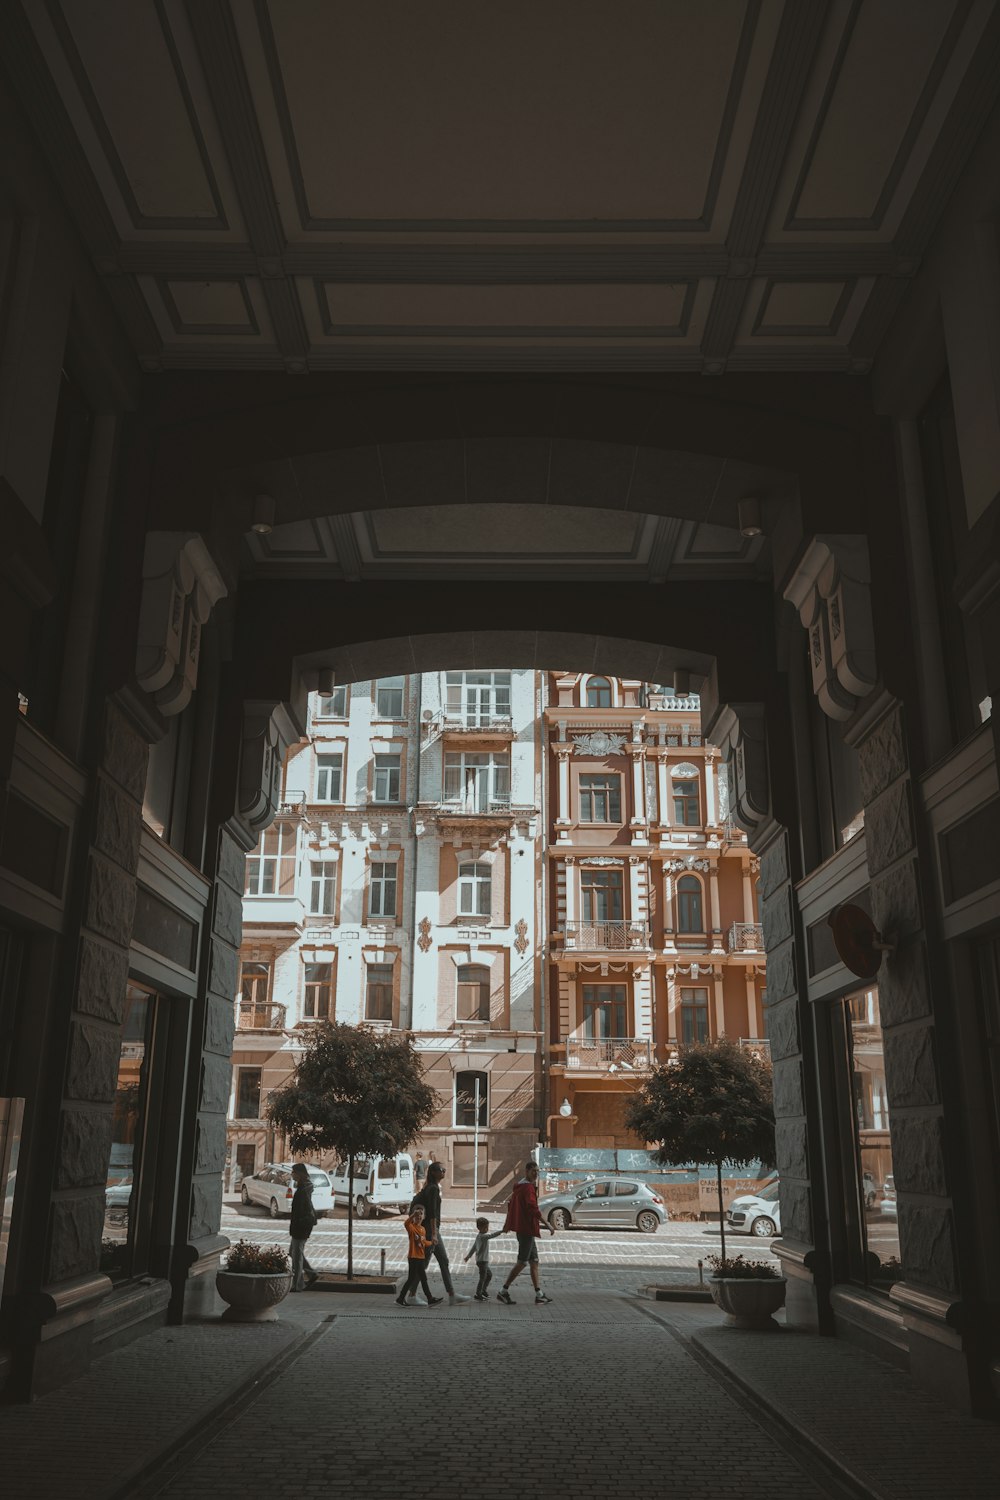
756 1213
385 1183
272 1187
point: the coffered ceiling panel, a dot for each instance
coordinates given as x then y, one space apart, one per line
580 184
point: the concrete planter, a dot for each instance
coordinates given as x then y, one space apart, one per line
252 1298
748 1302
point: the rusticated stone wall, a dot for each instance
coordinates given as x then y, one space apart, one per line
98 1008
926 1222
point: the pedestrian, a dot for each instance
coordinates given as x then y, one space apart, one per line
416 1261
419 1172
429 1199
300 1227
481 1250
525 1219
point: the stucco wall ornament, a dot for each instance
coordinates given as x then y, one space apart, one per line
521 936
831 589
598 743
180 587
740 731
602 859
269 729
691 863
424 941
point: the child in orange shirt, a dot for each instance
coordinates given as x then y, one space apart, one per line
416 1260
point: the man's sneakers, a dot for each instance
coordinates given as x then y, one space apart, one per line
411 1301
504 1296
454 1297
480 1297
541 1297
433 1301
402 1302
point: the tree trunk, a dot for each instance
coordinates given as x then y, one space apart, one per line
722 1216
350 1216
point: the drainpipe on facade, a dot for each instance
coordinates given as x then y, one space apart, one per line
408 1025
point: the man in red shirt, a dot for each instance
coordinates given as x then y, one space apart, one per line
525 1219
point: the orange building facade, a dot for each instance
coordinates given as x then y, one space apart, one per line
654 933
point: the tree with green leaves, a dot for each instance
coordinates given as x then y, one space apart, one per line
355 1091
711 1105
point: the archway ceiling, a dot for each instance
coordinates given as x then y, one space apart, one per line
299 185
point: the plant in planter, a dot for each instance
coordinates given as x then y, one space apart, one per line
748 1291
355 1091
253 1281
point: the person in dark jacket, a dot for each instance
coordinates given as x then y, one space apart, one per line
429 1199
301 1227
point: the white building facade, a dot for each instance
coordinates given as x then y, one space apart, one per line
400 887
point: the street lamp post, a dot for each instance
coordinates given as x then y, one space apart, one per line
475 1156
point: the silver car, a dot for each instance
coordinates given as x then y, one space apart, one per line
606 1203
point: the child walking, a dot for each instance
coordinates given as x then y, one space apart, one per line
416 1260
481 1250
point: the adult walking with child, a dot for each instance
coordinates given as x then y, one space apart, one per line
524 1217
416 1261
481 1250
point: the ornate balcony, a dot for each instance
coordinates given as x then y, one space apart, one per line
253 1017
745 937
604 937
612 1054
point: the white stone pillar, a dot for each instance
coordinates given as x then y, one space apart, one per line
710 814
562 818
672 1005
669 943
720 1005
638 819
751 1003
663 791
713 894
570 890
747 894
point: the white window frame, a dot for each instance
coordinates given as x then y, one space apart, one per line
475 888
383 878
331 705
272 865
600 685
478 699
476 779
326 771
318 984
386 773
390 685
322 887
484 985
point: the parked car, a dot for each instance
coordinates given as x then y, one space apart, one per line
385 1183
756 1213
273 1189
116 1200
888 1204
606 1203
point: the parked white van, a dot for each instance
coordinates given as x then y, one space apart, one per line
384 1183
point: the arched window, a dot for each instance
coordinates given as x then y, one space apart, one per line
473 999
599 693
690 917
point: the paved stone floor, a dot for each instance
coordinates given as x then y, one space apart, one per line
599 1394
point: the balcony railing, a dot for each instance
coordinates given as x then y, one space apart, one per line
611 1054
252 1017
759 1044
477 723
745 937
618 937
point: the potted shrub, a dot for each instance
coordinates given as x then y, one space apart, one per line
748 1291
253 1281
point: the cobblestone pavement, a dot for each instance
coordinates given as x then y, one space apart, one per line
587 1397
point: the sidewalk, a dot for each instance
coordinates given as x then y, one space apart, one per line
616 1395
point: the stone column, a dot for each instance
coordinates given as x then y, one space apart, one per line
710 813
747 894
637 822
562 818
720 1003
669 943
663 789
751 984
713 896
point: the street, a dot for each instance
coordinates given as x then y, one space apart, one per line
670 1254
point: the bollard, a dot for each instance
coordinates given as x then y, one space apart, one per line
701 1274
382 1268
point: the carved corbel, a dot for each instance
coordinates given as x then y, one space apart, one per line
831 590
269 729
740 732
180 588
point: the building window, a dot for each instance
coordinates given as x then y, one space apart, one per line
322 887
129 1131
686 812
478 699
473 997
602 895
600 799
382 902
332 705
387 778
318 1004
247 1094
477 782
255 983
690 915
872 1215
694 1016
389 697
598 693
469 1087
475 890
604 1011
378 993
271 869
329 769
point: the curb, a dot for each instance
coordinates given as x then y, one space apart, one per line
132 1484
676 1293
844 1480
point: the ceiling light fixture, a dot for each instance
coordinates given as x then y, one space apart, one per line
263 515
750 522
